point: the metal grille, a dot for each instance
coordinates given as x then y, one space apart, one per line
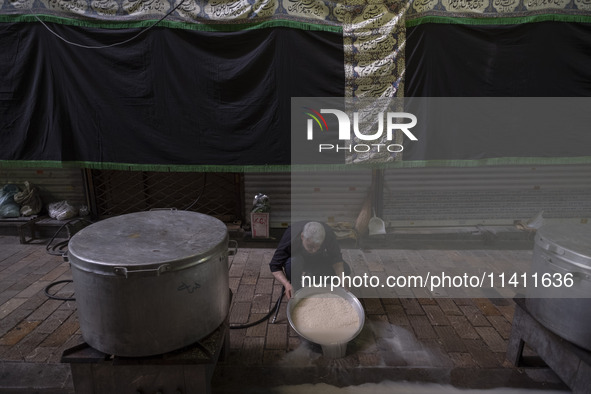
120 192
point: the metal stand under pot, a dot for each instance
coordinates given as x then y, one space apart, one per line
553 318
571 363
187 370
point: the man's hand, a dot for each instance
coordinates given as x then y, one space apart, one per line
288 291
280 276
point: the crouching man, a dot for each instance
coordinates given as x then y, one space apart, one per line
307 248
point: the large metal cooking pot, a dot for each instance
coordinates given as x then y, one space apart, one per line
150 282
562 251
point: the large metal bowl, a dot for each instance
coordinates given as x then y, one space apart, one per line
334 349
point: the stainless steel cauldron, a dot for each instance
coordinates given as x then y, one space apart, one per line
150 282
561 252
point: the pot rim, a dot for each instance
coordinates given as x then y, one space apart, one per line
148 243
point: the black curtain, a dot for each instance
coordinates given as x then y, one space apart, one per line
169 97
512 92
543 59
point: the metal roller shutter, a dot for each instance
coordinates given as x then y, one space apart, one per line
485 195
55 184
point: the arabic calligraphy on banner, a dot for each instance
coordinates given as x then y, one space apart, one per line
495 8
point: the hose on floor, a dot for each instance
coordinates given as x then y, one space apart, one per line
54 297
60 249
274 310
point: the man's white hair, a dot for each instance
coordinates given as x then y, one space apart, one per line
314 233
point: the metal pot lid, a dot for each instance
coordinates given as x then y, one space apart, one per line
570 242
152 241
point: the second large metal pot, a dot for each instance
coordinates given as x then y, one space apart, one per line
150 282
560 296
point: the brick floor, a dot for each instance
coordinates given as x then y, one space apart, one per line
427 337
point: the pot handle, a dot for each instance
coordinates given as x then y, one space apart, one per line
567 270
554 249
562 256
123 271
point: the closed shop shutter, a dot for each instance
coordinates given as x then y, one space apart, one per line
485 195
55 184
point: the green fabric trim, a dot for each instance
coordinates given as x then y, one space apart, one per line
294 168
126 24
141 167
470 19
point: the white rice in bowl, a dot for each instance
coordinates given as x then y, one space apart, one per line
325 319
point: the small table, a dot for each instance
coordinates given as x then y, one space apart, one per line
22 224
